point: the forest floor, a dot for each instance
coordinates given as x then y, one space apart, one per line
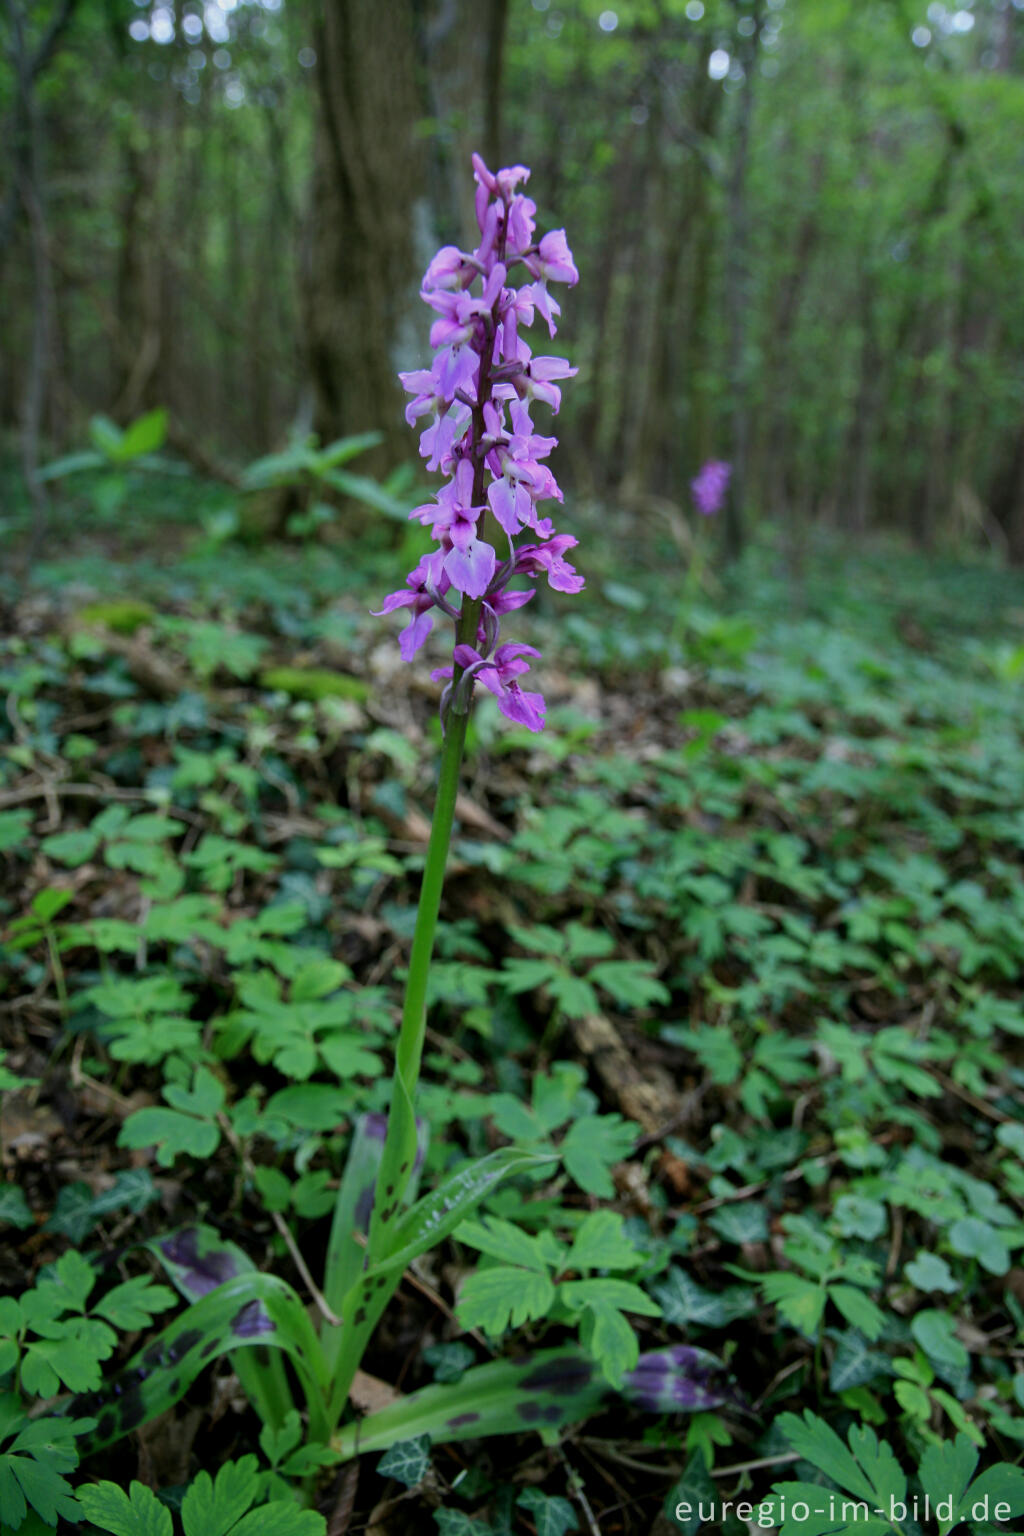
742 932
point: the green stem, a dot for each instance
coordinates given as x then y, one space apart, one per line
414 1012
409 1051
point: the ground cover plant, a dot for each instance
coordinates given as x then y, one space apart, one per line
721 1112
737 940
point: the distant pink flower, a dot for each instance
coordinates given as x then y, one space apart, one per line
710 486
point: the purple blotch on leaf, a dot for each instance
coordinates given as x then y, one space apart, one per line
539 1413
460 1419
675 1380
562 1377
204 1272
251 1321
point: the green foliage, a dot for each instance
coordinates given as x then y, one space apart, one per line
54 1340
874 1488
231 1504
798 913
527 1284
33 1459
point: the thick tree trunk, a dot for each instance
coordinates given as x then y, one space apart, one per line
368 175
372 218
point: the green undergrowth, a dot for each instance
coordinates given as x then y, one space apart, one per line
769 847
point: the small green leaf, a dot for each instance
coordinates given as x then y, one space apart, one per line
929 1272
136 1513
936 1333
610 1339
495 1299
857 1216
858 1309
593 1146
799 1301
173 1134
134 1304
501 1240
686 1303
601 1243
977 1239
213 1508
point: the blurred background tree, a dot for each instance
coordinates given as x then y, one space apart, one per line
800 225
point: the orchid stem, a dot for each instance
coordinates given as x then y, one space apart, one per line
414 1011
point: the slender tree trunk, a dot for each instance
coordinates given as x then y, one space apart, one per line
737 298
27 189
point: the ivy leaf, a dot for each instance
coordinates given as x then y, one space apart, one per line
450 1362
454 1522
857 1216
693 1488
407 1462
495 1299
745 1222
278 1444
136 1513
14 1208
686 1303
853 1364
553 1516
594 1145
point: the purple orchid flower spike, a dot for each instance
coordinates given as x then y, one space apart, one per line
473 407
710 486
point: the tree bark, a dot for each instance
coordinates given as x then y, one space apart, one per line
737 299
368 173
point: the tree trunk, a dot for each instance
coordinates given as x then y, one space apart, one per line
737 300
